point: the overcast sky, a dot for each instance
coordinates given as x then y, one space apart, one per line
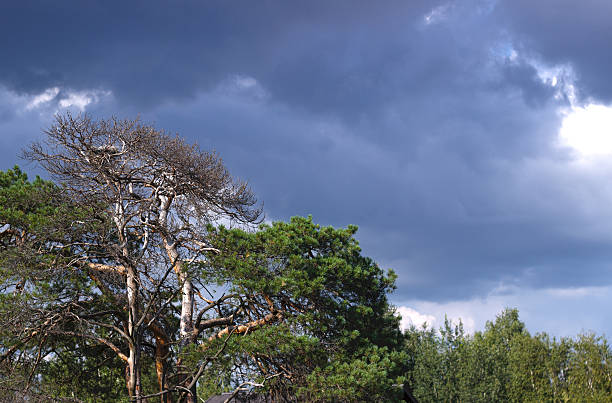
471 141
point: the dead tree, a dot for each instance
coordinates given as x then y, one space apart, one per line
160 194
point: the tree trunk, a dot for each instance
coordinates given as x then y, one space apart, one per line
133 375
161 356
186 305
187 294
186 324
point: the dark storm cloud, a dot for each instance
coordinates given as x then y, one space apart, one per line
421 130
578 33
439 213
525 77
149 51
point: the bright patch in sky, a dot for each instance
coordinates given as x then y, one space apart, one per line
436 14
43 98
588 130
411 317
80 99
58 98
242 86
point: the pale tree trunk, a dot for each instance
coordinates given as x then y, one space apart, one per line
133 375
133 364
187 322
187 293
187 306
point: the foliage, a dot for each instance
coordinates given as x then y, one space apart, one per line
147 197
41 351
296 311
505 363
336 337
372 375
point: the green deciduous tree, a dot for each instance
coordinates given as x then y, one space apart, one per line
589 374
504 363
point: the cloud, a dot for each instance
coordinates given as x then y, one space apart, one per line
78 100
490 223
437 14
410 318
58 99
588 130
23 117
242 86
43 98
565 32
453 197
557 311
151 52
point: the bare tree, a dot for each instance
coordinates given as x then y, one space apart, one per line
160 194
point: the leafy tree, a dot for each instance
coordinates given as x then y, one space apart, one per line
531 378
505 363
426 371
589 375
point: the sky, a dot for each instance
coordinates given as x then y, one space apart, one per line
470 141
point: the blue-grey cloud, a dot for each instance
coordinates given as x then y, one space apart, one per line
566 31
150 51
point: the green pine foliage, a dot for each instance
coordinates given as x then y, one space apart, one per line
39 355
339 340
